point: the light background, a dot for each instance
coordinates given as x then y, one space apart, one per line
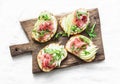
18 70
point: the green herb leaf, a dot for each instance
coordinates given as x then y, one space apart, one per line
64 34
93 27
86 52
41 33
75 29
92 35
44 17
57 54
90 31
60 34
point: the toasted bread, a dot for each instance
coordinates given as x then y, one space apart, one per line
64 21
91 48
38 22
57 63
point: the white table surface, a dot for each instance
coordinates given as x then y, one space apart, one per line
18 70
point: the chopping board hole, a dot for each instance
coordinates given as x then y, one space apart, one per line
16 49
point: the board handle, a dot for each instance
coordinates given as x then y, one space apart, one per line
20 49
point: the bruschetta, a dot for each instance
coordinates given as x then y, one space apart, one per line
82 47
45 27
75 22
51 56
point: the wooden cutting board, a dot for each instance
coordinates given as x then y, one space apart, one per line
71 60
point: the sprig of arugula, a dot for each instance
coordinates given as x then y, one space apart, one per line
75 29
59 34
86 52
39 34
44 17
90 31
57 54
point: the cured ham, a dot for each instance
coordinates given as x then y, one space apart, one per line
77 43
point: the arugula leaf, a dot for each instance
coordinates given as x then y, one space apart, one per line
86 52
43 32
60 34
44 17
64 34
90 31
75 29
40 33
57 54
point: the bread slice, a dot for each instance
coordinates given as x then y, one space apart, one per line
40 21
67 21
52 46
91 48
